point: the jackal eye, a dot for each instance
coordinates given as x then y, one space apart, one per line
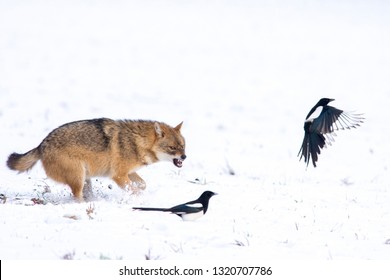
172 148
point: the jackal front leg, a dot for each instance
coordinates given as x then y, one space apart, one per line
131 181
137 181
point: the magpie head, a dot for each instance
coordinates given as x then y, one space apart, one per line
204 199
324 101
206 195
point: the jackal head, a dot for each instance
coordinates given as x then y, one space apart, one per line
170 144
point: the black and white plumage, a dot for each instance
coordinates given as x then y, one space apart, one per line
188 211
320 125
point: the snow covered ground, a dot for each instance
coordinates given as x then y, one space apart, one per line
242 75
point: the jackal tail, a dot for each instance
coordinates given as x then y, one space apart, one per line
23 162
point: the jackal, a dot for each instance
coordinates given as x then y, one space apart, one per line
76 151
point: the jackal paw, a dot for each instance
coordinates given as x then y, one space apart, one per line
136 188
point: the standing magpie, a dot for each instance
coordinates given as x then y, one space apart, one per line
320 124
189 211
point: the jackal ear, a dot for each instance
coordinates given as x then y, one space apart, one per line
158 130
178 127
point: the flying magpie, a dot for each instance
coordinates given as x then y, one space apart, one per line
189 211
320 126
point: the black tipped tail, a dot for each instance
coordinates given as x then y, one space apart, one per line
23 162
311 147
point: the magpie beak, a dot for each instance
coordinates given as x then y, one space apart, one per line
188 211
320 125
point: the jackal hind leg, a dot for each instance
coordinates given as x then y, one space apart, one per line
76 181
87 190
68 172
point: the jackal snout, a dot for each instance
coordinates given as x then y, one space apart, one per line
179 161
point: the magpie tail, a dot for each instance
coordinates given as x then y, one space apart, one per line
151 209
311 147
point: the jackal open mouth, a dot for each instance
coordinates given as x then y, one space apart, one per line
177 162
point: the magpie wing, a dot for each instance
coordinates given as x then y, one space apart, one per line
332 119
186 208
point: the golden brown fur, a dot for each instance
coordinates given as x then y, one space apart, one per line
76 151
